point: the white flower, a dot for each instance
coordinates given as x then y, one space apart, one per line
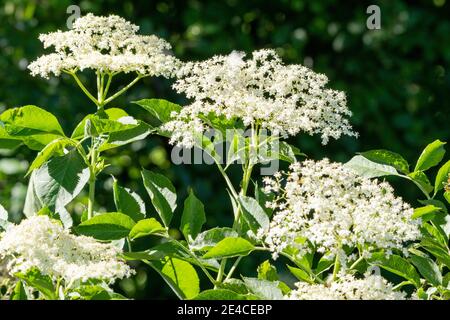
108 44
372 287
42 243
259 90
331 206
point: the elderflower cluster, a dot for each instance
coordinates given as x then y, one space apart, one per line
259 90
332 207
371 287
39 242
109 44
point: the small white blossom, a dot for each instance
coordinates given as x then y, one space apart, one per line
332 206
39 242
108 44
258 90
372 287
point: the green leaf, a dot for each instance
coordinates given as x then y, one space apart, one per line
107 226
254 214
369 169
210 238
35 279
172 249
431 156
442 177
193 217
388 158
278 150
267 290
55 148
30 120
396 265
159 108
266 271
230 247
55 184
146 227
128 202
180 276
8 142
421 178
426 213
447 196
162 193
219 294
19 292
300 274
121 138
427 267
100 125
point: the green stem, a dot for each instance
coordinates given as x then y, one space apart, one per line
82 87
233 268
337 266
221 272
356 262
123 90
94 154
108 83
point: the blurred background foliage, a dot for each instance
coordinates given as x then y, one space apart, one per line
397 80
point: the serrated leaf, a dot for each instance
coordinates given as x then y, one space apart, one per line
146 227
369 169
30 120
388 158
193 217
162 193
121 138
55 184
219 294
55 148
266 271
128 202
19 292
180 276
159 108
35 279
254 214
431 156
107 226
396 265
300 274
442 177
421 178
210 238
267 290
427 267
230 247
426 212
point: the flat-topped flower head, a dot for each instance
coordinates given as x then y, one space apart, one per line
259 90
371 287
332 207
108 44
42 243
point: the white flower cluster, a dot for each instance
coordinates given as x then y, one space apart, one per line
332 206
259 90
38 242
109 44
371 287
